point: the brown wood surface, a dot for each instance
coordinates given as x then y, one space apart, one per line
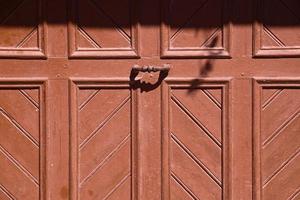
77 123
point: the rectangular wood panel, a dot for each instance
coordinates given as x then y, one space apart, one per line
103 28
277 139
200 30
22 29
277 29
103 142
22 141
196 143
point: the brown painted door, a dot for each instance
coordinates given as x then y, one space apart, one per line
78 122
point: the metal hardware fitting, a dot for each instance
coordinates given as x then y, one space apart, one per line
164 68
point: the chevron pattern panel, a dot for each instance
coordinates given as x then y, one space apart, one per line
103 29
278 144
196 144
20 144
199 30
279 30
20 29
104 144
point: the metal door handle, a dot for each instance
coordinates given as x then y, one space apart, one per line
164 68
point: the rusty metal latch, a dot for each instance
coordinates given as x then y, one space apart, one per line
148 80
164 68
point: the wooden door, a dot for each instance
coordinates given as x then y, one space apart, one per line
78 122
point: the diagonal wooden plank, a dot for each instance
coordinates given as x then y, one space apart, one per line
108 38
202 108
105 141
29 98
277 152
34 94
15 124
193 175
215 93
27 37
284 183
117 26
19 166
295 195
282 167
14 179
106 159
271 98
185 188
6 193
281 128
211 37
277 113
118 185
124 191
212 98
88 99
273 36
196 160
200 33
98 110
84 94
88 37
21 112
196 140
103 123
19 147
106 178
194 118
177 32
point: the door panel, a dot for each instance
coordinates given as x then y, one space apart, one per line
195 146
103 144
103 29
200 30
277 140
277 34
22 149
27 40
